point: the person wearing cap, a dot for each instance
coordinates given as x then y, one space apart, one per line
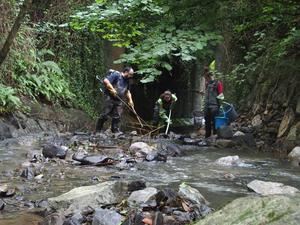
213 97
163 105
116 88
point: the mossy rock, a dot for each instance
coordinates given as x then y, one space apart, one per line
254 210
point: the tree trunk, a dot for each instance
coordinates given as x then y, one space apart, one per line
13 32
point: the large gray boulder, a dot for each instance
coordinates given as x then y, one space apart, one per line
192 194
294 156
270 188
95 196
138 198
255 210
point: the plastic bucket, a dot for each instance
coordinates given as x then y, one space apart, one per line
220 121
229 112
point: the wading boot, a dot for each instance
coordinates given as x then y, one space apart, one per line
99 124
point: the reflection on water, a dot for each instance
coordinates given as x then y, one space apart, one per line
197 168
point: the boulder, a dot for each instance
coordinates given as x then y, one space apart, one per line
294 155
136 185
54 151
270 188
95 196
141 147
257 210
106 217
246 140
225 143
138 198
230 161
189 193
225 132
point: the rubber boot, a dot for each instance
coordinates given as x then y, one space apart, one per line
100 123
115 125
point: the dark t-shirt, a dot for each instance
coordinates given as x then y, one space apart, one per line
120 83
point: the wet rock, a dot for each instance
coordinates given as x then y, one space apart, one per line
106 193
275 209
28 173
246 140
53 219
158 219
191 141
141 147
155 156
136 185
2 204
294 156
106 217
95 160
230 161
54 151
238 133
225 132
134 218
169 149
225 143
183 217
270 188
76 219
191 194
137 198
5 131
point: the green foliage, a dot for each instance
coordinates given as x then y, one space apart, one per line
155 32
42 79
8 99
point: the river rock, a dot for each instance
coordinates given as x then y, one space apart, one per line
106 217
270 188
238 133
106 193
191 194
229 161
2 204
141 147
137 198
246 140
95 160
54 151
136 185
28 173
5 131
225 143
294 156
225 132
257 210
53 219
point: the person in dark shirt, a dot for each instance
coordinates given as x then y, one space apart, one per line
162 108
116 87
213 96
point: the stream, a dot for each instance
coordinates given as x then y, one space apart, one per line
218 184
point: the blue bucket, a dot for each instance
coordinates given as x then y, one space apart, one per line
220 121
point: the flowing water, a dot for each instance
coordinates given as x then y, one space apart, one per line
219 184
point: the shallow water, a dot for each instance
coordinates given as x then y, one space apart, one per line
197 168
